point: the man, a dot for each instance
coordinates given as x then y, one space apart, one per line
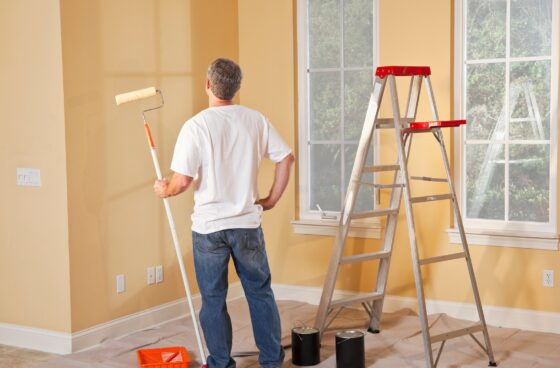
221 149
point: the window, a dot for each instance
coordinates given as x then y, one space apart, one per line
337 53
506 87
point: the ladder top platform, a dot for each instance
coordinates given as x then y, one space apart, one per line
400 71
425 125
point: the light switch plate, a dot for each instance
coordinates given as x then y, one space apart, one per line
28 177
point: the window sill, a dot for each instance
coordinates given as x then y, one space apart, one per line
330 228
508 239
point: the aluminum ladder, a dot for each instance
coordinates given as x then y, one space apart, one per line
405 128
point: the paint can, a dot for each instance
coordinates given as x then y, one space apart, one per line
350 350
305 346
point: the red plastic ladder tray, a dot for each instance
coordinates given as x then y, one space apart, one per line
424 125
401 71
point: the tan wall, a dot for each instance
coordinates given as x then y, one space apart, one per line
117 225
34 274
62 245
507 277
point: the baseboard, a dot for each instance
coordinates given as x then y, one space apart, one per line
35 338
88 338
524 319
66 343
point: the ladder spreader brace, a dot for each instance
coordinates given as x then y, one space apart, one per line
405 127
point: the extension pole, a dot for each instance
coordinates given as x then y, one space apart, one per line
137 95
176 244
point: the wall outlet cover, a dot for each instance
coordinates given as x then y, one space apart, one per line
159 274
151 275
120 284
548 278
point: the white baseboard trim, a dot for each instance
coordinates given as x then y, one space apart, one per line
65 343
35 338
524 319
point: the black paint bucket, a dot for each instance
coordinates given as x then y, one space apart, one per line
350 350
305 346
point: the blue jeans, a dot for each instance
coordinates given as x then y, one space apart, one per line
211 257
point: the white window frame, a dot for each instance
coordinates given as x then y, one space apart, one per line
492 232
313 221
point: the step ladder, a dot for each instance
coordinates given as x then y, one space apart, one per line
405 127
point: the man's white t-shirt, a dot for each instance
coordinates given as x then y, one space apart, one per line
222 148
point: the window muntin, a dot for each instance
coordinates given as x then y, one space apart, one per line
508 100
336 79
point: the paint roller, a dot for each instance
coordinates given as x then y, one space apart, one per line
139 95
135 95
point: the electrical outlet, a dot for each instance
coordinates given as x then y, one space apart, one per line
159 274
120 284
151 276
548 278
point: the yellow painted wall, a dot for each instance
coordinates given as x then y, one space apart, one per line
507 277
34 273
95 216
117 225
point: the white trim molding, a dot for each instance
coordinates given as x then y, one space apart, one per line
66 343
35 338
543 241
330 228
524 319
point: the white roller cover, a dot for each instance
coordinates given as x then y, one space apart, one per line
135 95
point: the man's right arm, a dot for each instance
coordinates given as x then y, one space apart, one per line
281 178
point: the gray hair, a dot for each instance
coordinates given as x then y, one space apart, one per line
225 78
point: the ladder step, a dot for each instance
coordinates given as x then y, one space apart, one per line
428 178
456 333
389 123
376 213
356 299
437 197
446 257
365 257
387 186
379 186
378 168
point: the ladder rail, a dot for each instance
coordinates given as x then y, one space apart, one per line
395 202
349 203
459 220
428 356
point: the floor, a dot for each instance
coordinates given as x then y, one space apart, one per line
21 358
398 345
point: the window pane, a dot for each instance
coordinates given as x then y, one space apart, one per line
357 90
325 177
324 33
485 181
358 33
324 93
486 29
530 100
485 101
529 182
531 27
365 195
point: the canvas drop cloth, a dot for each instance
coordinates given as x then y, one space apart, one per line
398 345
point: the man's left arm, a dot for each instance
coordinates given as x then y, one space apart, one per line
177 185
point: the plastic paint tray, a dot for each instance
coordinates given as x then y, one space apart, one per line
172 357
